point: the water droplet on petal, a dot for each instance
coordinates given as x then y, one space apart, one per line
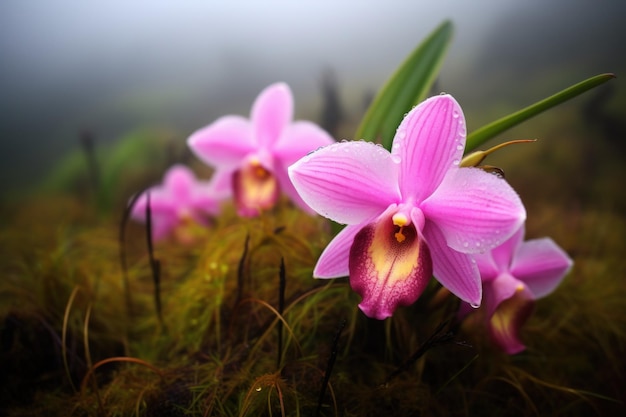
459 147
396 159
455 114
456 162
401 134
465 244
474 305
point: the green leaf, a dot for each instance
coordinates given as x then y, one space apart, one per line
408 86
480 136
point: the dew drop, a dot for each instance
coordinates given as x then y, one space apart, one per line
396 159
401 134
258 389
465 244
456 162
459 147
455 114
474 305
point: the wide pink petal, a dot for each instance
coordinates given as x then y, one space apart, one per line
454 270
271 112
429 141
541 264
347 182
476 211
389 266
224 143
333 263
298 139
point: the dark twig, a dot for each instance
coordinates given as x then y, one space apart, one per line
87 142
281 306
329 366
122 247
155 265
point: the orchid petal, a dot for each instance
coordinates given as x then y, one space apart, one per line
541 264
221 184
390 266
179 180
160 202
475 211
287 187
223 143
454 270
347 182
298 139
487 266
429 141
271 113
163 216
503 254
203 199
334 261
510 305
162 225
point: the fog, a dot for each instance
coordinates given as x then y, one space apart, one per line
113 66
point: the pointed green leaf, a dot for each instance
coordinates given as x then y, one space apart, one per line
480 136
407 87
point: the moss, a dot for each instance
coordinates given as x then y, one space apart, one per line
78 340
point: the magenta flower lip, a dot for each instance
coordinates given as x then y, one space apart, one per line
409 212
251 156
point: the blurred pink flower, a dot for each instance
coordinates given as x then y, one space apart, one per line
179 200
410 213
251 157
514 275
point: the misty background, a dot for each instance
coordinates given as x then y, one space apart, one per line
113 66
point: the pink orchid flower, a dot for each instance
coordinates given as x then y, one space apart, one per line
179 200
410 213
251 156
514 275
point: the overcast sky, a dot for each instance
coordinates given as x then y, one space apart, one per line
113 65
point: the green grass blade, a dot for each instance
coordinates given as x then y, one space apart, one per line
480 136
407 86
